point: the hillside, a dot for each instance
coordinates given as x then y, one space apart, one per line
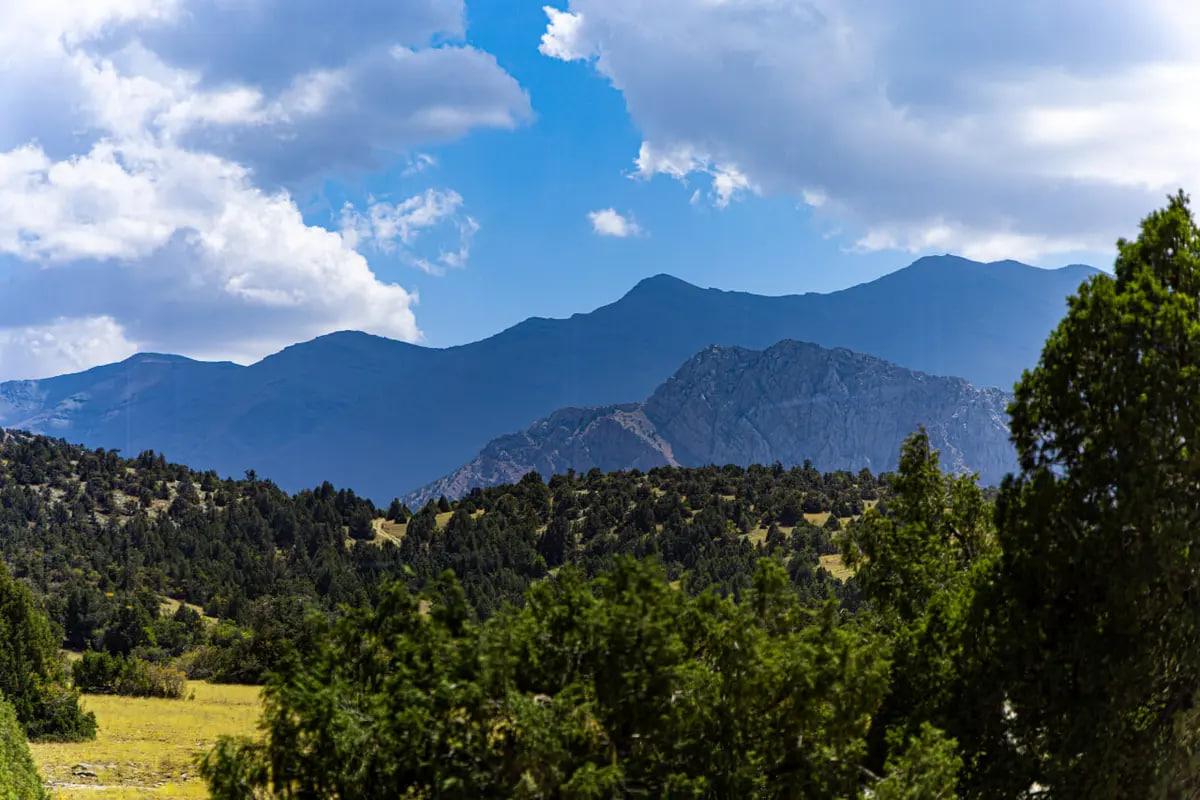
791 403
384 417
90 530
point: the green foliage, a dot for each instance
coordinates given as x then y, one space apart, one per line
103 673
18 776
1098 588
935 529
925 769
32 677
919 563
618 686
69 526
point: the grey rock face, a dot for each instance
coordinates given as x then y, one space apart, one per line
789 403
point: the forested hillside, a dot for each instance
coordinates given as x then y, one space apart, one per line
87 528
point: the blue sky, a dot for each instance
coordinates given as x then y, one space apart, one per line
222 179
531 189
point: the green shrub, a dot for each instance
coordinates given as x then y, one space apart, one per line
32 673
18 776
97 672
103 673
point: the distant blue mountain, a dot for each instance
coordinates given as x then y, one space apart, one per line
386 417
791 403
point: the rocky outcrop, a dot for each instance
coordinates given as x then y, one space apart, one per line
608 438
789 403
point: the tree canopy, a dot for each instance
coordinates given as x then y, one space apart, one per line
1100 572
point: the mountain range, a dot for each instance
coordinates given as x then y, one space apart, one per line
385 417
790 403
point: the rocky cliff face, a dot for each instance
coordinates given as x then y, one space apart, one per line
609 438
789 403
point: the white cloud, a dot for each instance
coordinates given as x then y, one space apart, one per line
392 227
683 160
280 86
62 345
1040 127
418 163
374 108
150 151
217 267
609 222
564 36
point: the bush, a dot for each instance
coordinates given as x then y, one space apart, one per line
102 673
97 673
612 687
18 776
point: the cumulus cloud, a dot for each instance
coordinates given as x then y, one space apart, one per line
609 222
184 251
728 182
374 108
150 152
62 345
1014 129
564 36
288 89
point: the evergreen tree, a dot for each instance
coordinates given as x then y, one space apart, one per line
1100 576
32 672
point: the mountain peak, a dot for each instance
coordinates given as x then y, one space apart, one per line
157 358
660 285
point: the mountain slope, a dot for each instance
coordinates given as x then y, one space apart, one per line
728 405
384 416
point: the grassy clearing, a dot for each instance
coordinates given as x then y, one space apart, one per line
386 531
147 747
834 565
759 534
169 605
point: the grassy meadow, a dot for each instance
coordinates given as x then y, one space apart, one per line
147 747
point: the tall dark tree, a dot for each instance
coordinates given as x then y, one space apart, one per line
1100 574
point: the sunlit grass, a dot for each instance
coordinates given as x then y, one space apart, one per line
834 565
147 747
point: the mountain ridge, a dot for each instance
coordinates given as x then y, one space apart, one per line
384 416
790 403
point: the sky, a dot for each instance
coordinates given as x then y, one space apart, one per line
222 178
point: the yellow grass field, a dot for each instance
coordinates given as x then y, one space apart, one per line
147 747
833 565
